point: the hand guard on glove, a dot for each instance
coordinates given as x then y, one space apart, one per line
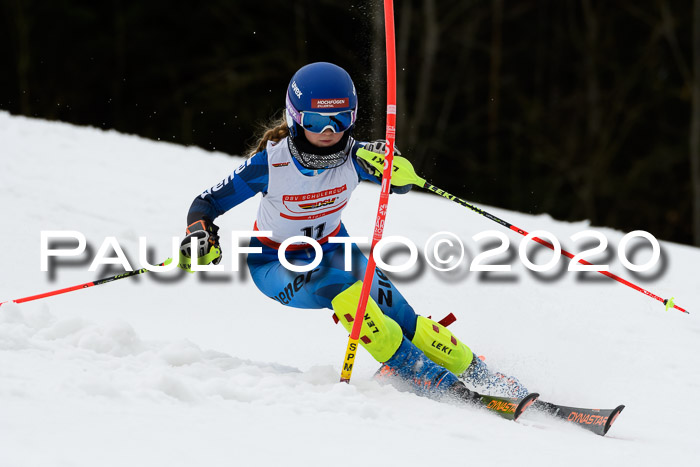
206 241
379 147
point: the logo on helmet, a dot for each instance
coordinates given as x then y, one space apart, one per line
296 89
330 103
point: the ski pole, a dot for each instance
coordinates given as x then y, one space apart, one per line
354 338
85 285
405 174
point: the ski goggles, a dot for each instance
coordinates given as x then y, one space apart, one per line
317 122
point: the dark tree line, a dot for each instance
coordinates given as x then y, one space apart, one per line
583 109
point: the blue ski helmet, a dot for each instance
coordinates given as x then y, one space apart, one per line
319 96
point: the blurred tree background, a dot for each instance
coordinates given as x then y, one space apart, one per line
582 109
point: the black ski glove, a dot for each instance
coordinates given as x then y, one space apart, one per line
206 241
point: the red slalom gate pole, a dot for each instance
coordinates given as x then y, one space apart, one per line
353 340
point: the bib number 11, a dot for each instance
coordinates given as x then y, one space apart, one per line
319 230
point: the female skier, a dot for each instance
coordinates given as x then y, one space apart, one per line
306 168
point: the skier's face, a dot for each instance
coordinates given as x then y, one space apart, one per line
325 139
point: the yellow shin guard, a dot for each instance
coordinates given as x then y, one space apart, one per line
441 346
380 335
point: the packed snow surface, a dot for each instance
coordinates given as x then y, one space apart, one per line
200 369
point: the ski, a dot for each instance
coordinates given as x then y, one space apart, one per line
598 421
506 407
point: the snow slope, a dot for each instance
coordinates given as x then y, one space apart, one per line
174 370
